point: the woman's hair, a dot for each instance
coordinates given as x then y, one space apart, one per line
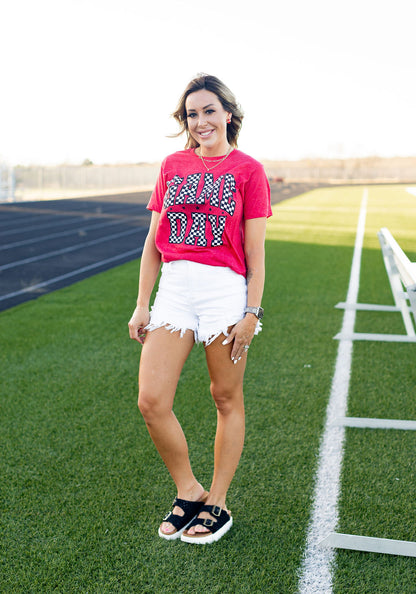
227 100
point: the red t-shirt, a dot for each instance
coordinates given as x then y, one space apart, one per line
202 212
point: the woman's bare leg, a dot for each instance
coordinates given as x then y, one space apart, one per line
227 392
163 356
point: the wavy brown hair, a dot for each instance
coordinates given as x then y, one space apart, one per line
227 100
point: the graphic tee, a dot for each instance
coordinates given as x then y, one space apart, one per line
202 213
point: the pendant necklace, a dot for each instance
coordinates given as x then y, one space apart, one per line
216 164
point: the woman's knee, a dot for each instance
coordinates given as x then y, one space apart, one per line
151 405
227 398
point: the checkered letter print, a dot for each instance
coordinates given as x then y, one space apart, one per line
227 202
217 229
189 189
197 230
173 184
177 222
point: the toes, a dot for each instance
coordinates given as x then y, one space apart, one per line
201 529
167 528
198 529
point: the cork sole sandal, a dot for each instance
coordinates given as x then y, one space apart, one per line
181 523
217 527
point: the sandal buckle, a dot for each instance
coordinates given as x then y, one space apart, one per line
216 511
208 523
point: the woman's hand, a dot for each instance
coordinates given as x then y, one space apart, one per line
241 335
138 322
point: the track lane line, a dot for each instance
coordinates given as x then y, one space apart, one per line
56 279
59 234
55 223
69 249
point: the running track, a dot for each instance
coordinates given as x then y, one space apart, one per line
47 245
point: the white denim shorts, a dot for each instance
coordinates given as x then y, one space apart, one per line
199 297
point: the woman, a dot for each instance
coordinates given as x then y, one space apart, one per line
209 211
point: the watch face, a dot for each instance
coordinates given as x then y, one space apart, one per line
257 311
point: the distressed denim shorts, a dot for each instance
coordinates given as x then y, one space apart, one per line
199 297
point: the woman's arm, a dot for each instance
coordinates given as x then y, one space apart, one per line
254 237
255 233
149 269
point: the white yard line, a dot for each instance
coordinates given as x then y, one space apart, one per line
316 570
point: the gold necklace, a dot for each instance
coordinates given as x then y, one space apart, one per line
216 164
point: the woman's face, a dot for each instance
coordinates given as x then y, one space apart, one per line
207 122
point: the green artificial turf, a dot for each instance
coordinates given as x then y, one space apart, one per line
379 477
83 490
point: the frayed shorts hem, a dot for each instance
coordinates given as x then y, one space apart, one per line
206 340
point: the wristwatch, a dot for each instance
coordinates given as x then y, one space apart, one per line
257 311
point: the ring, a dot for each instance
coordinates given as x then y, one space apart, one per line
246 347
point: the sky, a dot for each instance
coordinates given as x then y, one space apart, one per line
98 79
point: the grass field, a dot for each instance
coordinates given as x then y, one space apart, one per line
82 488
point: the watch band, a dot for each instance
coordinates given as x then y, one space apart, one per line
257 311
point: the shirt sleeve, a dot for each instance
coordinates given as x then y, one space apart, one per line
158 194
257 202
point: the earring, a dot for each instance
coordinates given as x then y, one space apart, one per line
229 121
